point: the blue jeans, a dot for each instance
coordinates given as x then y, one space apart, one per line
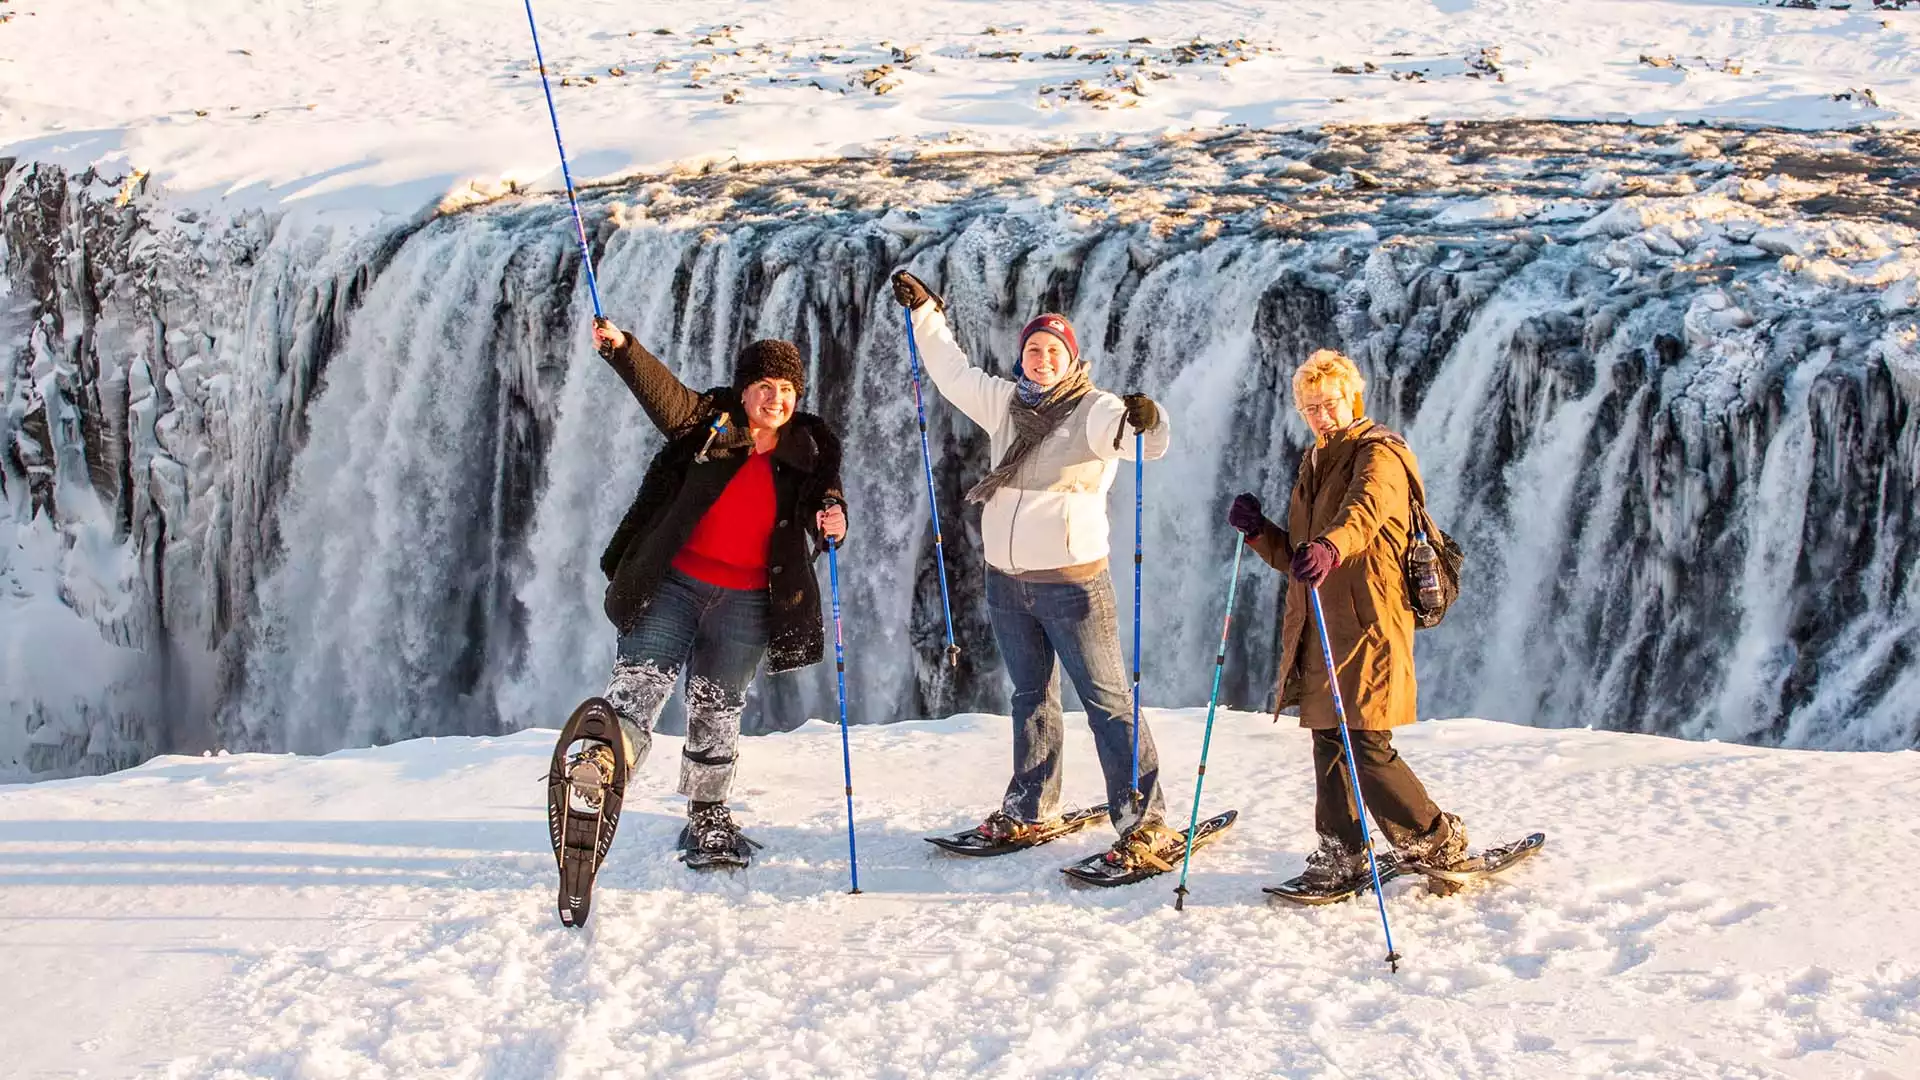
1034 624
718 637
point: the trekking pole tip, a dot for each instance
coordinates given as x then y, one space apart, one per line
1180 898
953 656
1393 962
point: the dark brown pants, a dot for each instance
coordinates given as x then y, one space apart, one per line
1395 797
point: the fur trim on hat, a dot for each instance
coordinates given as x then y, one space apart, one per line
771 359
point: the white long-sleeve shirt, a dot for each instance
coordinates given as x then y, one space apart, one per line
1053 513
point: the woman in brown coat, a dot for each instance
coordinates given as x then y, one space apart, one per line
1346 529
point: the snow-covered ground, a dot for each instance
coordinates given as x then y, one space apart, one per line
1702 911
373 103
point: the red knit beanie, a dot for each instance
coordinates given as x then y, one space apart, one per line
1058 326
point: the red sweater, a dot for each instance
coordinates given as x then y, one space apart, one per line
729 546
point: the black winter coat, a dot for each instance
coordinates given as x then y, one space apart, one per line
678 491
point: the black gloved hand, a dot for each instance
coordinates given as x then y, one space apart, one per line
911 292
1142 413
1245 515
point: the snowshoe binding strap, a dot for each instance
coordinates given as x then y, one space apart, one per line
1002 827
590 773
1137 849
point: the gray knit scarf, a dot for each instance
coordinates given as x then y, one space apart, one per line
1035 414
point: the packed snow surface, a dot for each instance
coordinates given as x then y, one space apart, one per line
1702 910
372 103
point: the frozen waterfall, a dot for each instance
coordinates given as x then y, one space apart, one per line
270 483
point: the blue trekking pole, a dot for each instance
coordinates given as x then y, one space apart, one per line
933 504
1219 664
840 672
580 226
1139 476
1353 773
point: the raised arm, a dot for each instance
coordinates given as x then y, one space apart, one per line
984 398
668 402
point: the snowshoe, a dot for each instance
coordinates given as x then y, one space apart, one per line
586 784
1459 873
1137 858
1001 834
712 841
1313 889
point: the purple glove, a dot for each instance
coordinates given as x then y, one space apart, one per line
1245 514
1313 562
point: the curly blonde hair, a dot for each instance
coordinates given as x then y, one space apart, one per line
1331 371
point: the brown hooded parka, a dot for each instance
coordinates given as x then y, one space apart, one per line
1354 490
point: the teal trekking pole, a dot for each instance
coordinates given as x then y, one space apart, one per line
1213 702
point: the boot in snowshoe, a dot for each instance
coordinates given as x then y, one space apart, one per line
1450 867
1438 851
712 840
1334 873
1002 833
1150 849
1150 845
1440 847
1003 828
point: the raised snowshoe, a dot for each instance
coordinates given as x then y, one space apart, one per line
1148 851
586 783
1001 833
711 840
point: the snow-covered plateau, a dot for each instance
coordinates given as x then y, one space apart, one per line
392 104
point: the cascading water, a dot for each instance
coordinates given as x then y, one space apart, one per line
1661 383
380 619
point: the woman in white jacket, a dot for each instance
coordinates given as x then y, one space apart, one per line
1055 442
